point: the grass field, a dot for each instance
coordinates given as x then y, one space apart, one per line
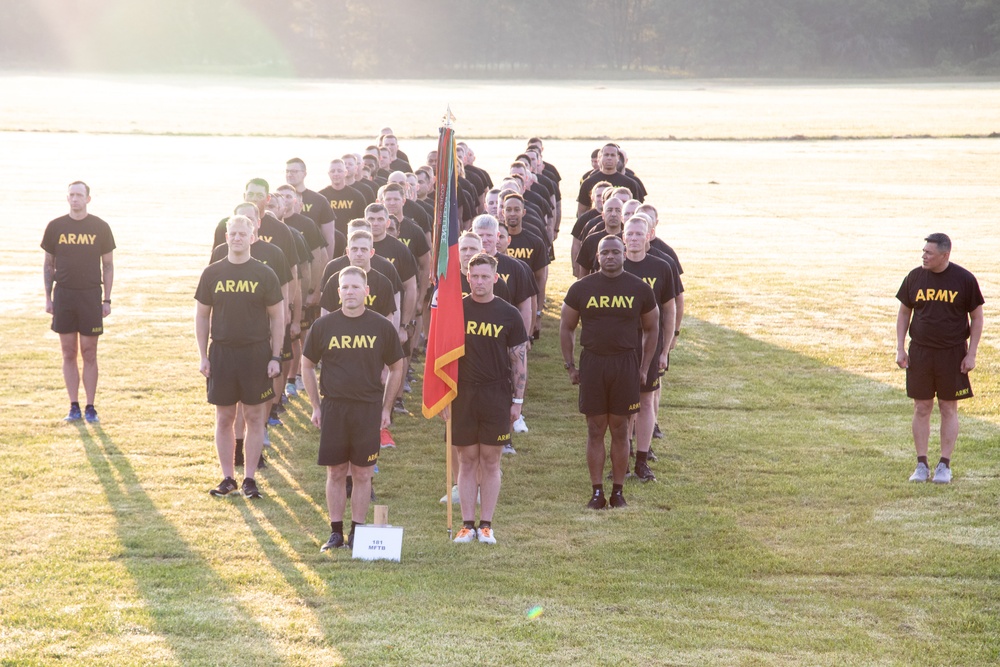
782 530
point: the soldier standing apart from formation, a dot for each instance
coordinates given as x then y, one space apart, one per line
942 307
78 260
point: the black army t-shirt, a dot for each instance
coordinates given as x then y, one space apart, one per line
611 310
77 246
941 303
239 295
491 329
353 351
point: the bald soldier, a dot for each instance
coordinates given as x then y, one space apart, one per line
611 305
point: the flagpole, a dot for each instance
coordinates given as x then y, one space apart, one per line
448 118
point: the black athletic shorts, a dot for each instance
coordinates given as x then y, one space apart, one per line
286 344
937 371
481 414
77 311
350 432
239 374
609 385
309 315
653 373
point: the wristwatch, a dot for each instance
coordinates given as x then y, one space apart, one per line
568 365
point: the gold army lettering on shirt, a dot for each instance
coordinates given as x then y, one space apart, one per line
77 239
936 295
605 301
337 204
265 239
650 281
347 342
483 329
248 286
520 253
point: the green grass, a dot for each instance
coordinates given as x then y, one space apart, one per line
782 530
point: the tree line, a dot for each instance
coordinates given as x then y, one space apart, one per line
472 38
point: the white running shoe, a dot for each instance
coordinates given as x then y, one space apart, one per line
508 449
291 390
299 384
921 473
942 474
520 426
454 495
465 535
486 535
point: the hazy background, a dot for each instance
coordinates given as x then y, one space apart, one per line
545 38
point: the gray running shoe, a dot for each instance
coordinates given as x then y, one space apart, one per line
942 474
921 473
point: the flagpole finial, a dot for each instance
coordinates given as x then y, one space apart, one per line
449 117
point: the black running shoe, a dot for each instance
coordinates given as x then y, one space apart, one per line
643 472
90 414
261 463
250 488
227 486
617 499
350 541
335 542
650 455
657 433
597 501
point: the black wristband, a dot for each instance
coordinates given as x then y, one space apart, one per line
677 332
278 359
107 301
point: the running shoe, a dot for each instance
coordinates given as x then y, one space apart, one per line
942 474
90 414
651 456
399 408
227 486
466 535
921 473
291 390
335 542
508 449
74 414
520 426
617 499
597 501
273 420
454 495
250 488
385 439
643 472
486 535
299 384
657 433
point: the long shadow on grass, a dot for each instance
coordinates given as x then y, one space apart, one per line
193 608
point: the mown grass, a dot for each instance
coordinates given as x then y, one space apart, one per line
782 530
